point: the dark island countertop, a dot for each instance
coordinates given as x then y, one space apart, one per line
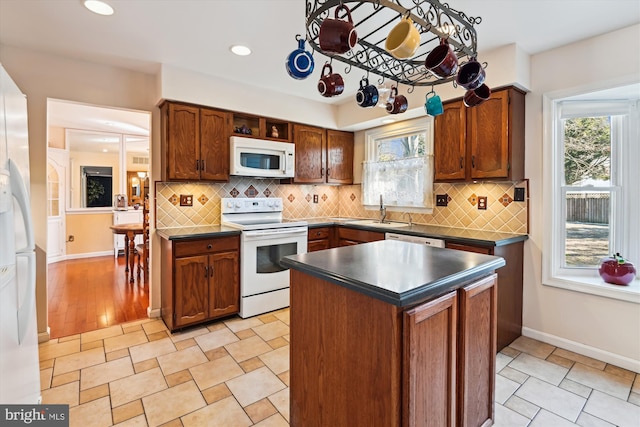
450 234
200 232
398 273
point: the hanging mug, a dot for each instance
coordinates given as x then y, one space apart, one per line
367 96
433 105
299 63
470 75
442 61
477 96
336 35
397 103
403 39
330 83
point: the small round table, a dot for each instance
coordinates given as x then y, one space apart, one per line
129 231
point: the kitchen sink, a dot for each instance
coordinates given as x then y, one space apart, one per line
375 223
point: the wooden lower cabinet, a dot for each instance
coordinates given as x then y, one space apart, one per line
357 361
509 289
320 238
353 236
200 280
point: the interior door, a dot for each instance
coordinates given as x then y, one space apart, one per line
56 202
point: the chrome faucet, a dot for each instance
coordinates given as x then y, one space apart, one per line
383 211
410 220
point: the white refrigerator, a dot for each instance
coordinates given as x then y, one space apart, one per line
19 366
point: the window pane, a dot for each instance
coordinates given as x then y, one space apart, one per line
401 147
587 228
587 151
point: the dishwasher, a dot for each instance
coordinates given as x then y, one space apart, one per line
415 239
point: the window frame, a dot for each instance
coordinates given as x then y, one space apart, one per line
410 127
623 227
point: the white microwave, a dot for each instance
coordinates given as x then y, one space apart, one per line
260 158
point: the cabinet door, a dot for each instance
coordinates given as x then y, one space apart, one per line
449 142
477 353
191 289
214 145
311 144
477 249
183 142
317 245
488 129
339 157
429 363
224 284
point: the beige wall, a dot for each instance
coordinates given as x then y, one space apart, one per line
610 328
91 233
56 137
41 76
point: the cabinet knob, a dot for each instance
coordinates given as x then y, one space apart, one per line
321 171
473 161
209 246
461 162
318 233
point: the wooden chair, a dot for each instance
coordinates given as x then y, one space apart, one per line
142 250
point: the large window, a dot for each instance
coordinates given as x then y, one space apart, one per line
594 170
399 167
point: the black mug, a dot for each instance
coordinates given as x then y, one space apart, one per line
367 96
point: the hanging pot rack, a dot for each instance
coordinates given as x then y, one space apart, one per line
433 19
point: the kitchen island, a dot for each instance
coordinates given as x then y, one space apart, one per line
392 333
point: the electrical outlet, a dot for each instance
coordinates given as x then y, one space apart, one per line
518 194
482 203
315 198
186 200
442 199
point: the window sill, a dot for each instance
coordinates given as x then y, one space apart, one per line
596 286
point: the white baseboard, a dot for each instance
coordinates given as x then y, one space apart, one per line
88 255
153 314
585 350
44 336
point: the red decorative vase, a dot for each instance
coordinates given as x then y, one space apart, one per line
616 270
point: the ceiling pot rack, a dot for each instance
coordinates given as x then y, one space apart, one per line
434 21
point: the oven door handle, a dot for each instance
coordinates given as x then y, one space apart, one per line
276 232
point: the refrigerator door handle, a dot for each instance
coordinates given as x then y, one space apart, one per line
19 190
25 310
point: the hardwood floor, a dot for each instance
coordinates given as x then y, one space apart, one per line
93 293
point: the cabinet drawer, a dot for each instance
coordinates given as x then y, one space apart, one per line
359 235
468 248
318 233
205 246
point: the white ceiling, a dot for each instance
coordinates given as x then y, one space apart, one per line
196 34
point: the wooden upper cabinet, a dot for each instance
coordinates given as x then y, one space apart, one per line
311 144
214 145
339 157
483 142
323 156
196 143
450 142
182 141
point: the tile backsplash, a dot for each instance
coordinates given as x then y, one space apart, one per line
502 213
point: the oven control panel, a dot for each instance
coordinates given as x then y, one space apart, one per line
258 204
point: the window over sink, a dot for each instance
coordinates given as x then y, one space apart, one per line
399 166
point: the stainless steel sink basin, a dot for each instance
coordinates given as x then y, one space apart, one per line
375 223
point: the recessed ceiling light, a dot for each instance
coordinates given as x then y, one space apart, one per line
387 121
104 150
99 7
240 50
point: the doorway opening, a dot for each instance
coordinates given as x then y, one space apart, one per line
97 157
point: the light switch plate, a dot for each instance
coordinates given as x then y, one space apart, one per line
518 194
186 200
442 199
482 203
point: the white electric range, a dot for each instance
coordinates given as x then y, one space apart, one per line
266 238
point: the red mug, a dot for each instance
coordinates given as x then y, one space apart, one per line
397 104
330 84
442 61
477 96
336 35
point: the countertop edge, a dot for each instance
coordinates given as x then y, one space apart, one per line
165 234
412 297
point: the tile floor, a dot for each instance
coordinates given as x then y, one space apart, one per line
235 373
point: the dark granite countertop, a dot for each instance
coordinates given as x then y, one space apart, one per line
399 273
182 233
450 234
